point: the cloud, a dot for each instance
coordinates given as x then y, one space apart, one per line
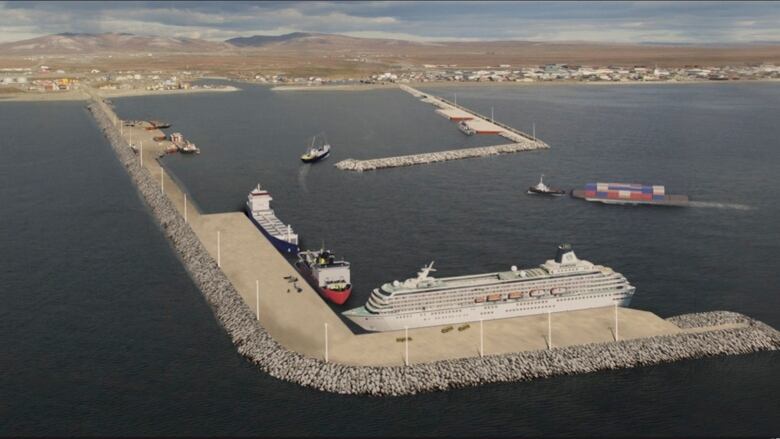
697 22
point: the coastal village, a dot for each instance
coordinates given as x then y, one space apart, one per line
45 80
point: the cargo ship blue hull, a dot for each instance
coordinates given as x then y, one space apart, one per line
286 248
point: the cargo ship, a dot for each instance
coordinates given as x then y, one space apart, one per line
629 193
330 277
258 209
565 283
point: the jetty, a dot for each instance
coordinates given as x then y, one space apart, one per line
480 124
290 332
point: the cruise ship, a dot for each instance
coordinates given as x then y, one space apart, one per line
258 209
565 283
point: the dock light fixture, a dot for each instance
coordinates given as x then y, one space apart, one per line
257 298
549 330
326 342
406 345
162 180
185 208
219 259
481 340
616 322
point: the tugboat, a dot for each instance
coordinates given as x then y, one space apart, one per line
466 129
543 189
315 154
329 276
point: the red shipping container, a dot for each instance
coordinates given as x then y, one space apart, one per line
590 193
613 195
637 196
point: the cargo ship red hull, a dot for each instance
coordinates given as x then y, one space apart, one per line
336 296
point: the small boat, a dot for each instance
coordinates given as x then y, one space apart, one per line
190 148
157 125
466 129
543 189
329 276
315 154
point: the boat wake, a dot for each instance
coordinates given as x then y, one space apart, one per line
715 205
303 171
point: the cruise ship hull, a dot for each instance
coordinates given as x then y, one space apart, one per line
283 246
488 311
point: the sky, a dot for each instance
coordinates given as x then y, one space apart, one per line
630 22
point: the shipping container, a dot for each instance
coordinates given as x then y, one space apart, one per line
624 194
590 194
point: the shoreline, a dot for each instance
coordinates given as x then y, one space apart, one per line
144 92
701 334
80 95
364 87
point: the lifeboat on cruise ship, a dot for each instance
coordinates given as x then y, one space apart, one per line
538 293
516 295
558 291
494 297
479 299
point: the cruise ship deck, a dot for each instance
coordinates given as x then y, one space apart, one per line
298 320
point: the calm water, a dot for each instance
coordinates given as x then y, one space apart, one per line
104 333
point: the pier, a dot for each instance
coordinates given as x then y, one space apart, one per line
520 141
296 336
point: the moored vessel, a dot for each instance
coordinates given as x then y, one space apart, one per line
157 125
543 189
565 283
329 276
629 193
466 129
258 209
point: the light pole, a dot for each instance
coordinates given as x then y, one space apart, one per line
257 298
406 345
549 330
481 340
326 342
219 253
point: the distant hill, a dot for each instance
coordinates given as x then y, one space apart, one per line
311 41
74 43
263 40
352 55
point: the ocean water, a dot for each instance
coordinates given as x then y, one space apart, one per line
104 333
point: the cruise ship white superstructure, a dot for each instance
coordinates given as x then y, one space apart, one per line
562 284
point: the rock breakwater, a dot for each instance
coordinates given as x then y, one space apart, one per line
253 341
441 156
